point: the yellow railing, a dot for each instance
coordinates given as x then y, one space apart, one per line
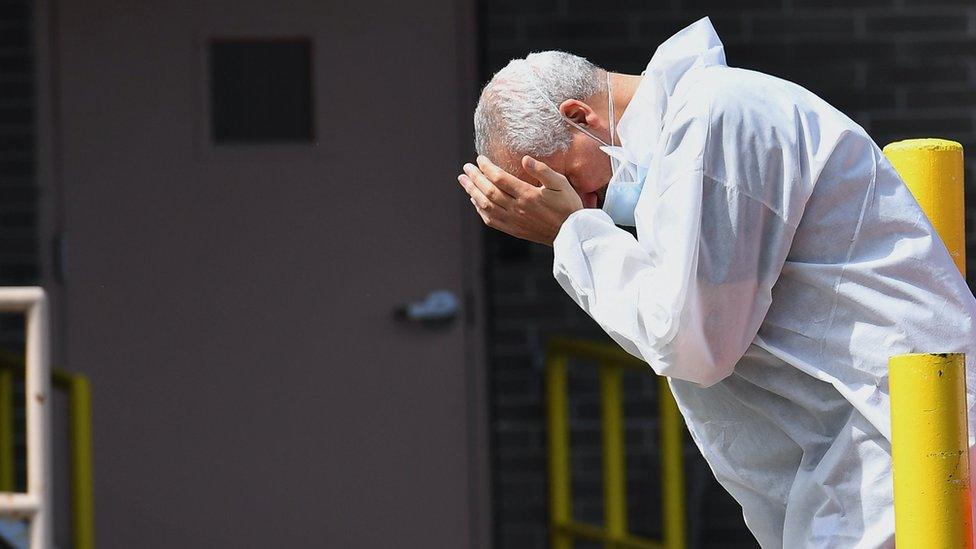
7 469
612 363
76 387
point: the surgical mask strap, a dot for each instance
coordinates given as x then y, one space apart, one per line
613 118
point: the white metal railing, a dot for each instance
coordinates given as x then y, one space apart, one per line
34 505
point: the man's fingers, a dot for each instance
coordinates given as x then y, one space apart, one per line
505 181
487 188
493 221
548 177
484 216
477 197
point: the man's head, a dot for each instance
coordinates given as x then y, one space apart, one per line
519 114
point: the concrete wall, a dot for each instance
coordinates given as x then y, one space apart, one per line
900 68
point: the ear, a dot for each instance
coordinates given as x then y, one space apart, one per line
579 112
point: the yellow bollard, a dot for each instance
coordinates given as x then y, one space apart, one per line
930 451
933 170
929 431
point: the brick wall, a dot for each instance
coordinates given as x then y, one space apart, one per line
899 68
18 190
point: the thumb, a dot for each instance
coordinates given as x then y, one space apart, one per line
545 175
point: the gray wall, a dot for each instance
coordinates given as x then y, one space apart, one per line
900 68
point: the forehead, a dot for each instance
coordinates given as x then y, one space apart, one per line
506 160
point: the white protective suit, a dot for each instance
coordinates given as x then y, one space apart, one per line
779 261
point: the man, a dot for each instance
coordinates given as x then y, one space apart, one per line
779 261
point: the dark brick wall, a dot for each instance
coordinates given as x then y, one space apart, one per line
900 68
18 189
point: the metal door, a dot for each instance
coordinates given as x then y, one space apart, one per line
233 303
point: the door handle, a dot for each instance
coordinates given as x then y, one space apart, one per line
437 308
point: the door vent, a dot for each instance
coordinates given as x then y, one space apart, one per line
261 91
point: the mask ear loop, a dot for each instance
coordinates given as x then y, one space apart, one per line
613 118
569 120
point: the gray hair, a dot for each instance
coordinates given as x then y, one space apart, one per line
513 112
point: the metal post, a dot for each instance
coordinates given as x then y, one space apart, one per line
560 503
614 464
82 493
933 170
35 504
672 467
80 449
929 441
930 451
37 390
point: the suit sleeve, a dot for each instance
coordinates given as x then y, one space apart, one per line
690 293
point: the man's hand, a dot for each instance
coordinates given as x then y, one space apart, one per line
524 210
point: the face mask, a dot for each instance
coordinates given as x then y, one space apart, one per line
625 185
627 177
627 180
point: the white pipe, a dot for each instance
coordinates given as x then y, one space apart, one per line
38 391
19 299
13 504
